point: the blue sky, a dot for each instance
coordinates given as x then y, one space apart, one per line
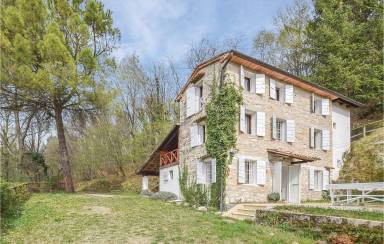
157 30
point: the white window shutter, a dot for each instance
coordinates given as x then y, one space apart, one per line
311 178
190 101
288 93
325 106
213 171
260 123
200 137
325 140
290 130
272 88
241 76
194 135
241 170
312 137
312 102
325 179
261 172
200 173
274 131
242 119
253 177
260 83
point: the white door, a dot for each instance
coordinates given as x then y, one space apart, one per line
294 185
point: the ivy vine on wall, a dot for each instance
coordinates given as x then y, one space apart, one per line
222 117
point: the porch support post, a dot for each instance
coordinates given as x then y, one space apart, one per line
144 183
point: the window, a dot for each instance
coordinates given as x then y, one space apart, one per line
248 123
199 95
248 172
280 129
334 125
171 174
201 134
318 136
247 84
318 180
278 94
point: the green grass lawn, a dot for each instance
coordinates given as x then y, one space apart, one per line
358 214
129 218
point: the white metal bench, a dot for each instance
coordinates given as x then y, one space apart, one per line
339 191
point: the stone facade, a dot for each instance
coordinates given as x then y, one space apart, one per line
255 146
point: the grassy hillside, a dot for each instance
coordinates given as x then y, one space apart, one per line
365 161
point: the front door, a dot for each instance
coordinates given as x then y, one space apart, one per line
293 184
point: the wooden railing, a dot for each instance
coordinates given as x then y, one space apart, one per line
366 129
169 157
343 193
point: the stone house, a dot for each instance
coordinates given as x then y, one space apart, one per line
291 133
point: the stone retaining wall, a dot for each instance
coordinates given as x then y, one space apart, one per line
360 230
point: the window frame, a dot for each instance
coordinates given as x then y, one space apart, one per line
170 172
248 123
281 130
318 138
247 84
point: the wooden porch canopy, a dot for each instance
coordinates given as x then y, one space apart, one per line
295 157
152 164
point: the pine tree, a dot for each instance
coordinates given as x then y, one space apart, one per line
52 52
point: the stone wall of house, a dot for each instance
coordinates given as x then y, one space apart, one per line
255 146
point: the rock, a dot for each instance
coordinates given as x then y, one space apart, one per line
202 208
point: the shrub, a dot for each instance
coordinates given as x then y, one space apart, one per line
12 199
193 193
273 197
97 185
164 195
326 195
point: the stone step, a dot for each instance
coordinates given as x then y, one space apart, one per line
242 216
246 211
254 206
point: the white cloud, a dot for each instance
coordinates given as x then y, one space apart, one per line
159 29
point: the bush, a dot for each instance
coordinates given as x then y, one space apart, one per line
326 195
194 194
163 195
273 197
98 185
12 199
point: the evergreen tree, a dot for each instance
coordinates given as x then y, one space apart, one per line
52 52
346 45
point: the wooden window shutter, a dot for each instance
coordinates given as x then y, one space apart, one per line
242 119
261 172
242 76
288 93
325 179
325 139
241 170
290 130
194 135
274 131
312 137
312 102
254 173
272 88
260 123
325 106
311 178
191 94
260 83
213 171
200 173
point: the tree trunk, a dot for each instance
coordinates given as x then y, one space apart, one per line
63 150
20 142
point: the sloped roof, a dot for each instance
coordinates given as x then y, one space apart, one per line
271 71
